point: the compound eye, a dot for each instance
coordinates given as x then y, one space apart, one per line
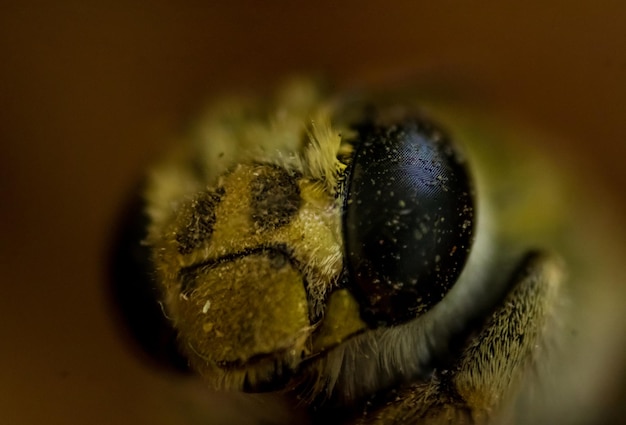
408 220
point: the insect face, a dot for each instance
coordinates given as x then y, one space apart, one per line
266 239
345 253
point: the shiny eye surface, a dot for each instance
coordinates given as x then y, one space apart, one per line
408 220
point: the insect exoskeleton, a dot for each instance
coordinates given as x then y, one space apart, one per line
337 247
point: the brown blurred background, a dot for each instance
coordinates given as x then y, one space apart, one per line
90 91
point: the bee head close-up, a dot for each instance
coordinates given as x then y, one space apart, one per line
220 213
372 257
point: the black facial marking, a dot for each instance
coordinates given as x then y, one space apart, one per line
278 255
275 198
198 226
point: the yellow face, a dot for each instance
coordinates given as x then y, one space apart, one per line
266 240
339 247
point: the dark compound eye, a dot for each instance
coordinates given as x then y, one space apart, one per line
408 220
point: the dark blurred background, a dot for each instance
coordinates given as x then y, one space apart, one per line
91 91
